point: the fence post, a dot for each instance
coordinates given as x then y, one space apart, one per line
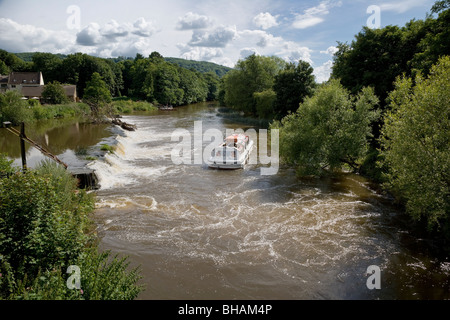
22 147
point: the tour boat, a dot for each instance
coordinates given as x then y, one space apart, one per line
233 153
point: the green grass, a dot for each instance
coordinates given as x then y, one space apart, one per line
107 148
121 105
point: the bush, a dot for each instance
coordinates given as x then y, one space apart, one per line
416 146
54 93
44 228
329 129
13 108
128 106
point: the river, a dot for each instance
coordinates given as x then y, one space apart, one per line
198 233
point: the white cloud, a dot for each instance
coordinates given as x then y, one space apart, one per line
269 45
15 37
323 72
144 28
114 30
90 35
246 52
402 6
293 52
314 15
192 21
218 37
331 50
94 34
199 53
265 21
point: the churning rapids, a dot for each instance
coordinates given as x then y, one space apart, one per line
199 233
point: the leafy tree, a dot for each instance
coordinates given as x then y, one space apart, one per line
54 93
14 63
292 86
416 145
264 103
13 108
435 42
329 129
167 85
254 74
4 69
440 5
78 69
97 95
213 83
49 64
375 58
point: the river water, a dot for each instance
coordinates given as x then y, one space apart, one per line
198 233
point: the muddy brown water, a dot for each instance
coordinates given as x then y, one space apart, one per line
198 233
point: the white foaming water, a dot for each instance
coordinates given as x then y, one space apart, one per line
246 235
121 168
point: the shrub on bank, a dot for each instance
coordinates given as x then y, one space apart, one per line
128 106
45 227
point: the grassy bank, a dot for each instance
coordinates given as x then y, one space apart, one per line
125 105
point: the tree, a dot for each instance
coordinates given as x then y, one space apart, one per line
329 129
213 83
4 69
435 42
167 85
254 74
49 64
13 108
375 58
54 93
265 101
292 86
97 95
78 69
440 6
416 145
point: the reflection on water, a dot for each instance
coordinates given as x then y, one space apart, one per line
65 139
199 233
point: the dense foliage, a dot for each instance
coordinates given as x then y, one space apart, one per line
13 108
54 93
416 145
328 130
16 110
378 56
97 95
45 227
267 87
155 79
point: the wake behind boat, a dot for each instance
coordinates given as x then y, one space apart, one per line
233 153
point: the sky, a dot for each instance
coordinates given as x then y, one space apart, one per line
219 31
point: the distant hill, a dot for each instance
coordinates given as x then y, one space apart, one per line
28 56
200 66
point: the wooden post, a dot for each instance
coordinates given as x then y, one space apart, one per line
22 147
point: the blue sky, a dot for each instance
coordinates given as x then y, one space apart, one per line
220 31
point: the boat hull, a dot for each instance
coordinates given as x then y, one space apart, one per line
231 164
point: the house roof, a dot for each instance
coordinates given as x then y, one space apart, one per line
70 90
26 78
32 91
